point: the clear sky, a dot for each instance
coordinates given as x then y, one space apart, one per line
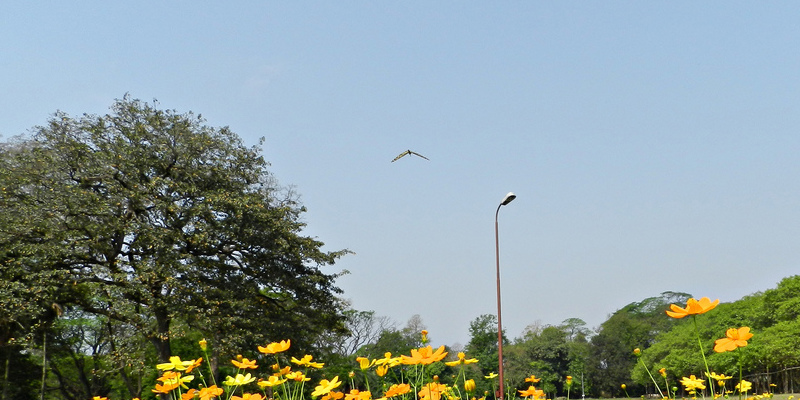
653 146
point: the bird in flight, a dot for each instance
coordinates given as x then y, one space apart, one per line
408 152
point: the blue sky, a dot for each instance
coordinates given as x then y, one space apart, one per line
653 146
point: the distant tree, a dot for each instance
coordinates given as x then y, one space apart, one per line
483 342
362 328
544 353
147 217
634 326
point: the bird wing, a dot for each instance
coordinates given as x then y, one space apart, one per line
407 152
420 155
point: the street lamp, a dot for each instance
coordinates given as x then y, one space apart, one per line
508 199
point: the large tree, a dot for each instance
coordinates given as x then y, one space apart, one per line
147 217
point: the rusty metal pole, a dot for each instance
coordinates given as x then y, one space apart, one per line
509 197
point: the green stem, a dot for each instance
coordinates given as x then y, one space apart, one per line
651 376
703 353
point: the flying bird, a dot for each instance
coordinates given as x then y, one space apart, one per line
408 152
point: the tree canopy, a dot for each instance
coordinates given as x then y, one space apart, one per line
144 217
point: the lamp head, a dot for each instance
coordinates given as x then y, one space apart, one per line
508 199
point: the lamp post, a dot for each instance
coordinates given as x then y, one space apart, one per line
508 199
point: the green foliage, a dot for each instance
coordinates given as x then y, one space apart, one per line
149 220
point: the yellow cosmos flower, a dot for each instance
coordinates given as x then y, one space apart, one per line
326 386
306 362
432 391
333 396
424 356
692 383
172 377
203 344
734 339
99 398
174 363
189 395
239 380
381 370
248 396
531 392
721 378
397 390
388 360
623 386
469 385
194 364
491 375
663 372
297 376
210 392
744 386
356 394
461 360
166 387
364 362
693 307
245 363
270 382
532 379
277 370
276 347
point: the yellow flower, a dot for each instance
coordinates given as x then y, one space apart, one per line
239 380
693 307
171 377
735 338
277 370
531 392
189 395
276 347
245 363
364 362
210 392
381 370
356 394
461 360
203 345
397 390
424 336
721 378
491 375
248 396
744 386
623 386
174 363
270 382
194 364
306 362
637 352
663 372
432 391
297 376
469 385
388 360
333 396
166 387
692 383
424 356
532 379
99 398
325 386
